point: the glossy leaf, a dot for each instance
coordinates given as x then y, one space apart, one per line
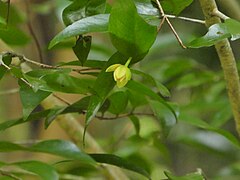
130 34
55 147
118 102
82 48
30 99
191 176
117 161
43 170
97 23
217 32
74 12
59 81
164 115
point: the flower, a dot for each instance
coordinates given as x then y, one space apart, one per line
121 73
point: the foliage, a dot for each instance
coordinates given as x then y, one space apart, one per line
172 100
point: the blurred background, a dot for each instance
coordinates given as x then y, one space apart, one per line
193 77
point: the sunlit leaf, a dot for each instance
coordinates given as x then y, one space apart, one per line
30 99
97 23
117 161
130 34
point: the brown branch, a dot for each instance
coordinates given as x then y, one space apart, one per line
165 17
227 60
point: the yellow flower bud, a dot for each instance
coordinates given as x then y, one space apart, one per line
121 74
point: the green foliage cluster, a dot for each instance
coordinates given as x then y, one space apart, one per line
132 26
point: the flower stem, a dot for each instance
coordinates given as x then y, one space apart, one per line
128 62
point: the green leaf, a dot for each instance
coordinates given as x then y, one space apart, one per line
175 6
233 27
13 36
82 48
97 23
191 176
101 92
217 32
164 115
31 117
130 34
136 123
134 85
95 7
6 59
55 147
202 124
30 99
43 170
74 12
118 102
59 81
117 161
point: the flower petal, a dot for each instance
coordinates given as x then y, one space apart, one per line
122 83
112 67
128 74
120 72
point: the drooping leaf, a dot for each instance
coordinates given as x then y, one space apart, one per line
30 99
43 170
233 27
74 12
136 123
130 34
118 102
82 48
166 118
97 23
117 161
191 176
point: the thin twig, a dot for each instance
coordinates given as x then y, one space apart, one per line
219 14
165 17
29 24
175 33
186 19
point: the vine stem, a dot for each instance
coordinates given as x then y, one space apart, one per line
227 61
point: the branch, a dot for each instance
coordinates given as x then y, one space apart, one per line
227 60
165 18
75 131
